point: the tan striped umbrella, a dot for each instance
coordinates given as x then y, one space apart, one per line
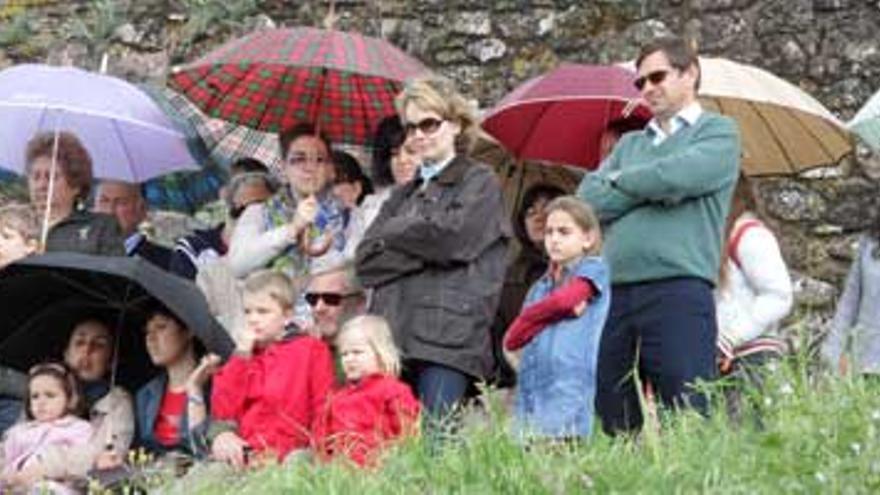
784 129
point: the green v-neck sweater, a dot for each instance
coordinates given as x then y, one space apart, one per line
663 208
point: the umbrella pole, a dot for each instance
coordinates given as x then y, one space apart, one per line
44 235
521 166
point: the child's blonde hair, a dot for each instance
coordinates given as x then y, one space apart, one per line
582 214
379 336
22 219
275 284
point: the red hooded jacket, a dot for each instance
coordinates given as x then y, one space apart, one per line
362 417
275 395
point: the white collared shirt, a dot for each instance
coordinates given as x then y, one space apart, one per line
687 116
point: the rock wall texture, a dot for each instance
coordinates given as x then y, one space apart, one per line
828 47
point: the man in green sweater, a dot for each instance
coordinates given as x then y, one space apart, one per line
663 196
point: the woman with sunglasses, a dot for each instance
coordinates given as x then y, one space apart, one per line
302 221
435 256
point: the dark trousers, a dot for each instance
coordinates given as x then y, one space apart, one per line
669 326
439 388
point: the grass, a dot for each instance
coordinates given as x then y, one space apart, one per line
817 435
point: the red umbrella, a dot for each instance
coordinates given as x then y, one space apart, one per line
561 116
274 78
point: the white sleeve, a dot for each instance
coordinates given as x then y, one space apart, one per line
764 270
251 247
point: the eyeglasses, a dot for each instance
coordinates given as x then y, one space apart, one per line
428 126
655 78
302 158
329 298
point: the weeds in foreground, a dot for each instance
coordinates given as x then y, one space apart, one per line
803 434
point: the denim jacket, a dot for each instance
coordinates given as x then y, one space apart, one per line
557 376
147 403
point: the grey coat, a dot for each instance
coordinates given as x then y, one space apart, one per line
88 233
435 258
856 323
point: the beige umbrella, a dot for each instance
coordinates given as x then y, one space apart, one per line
516 177
784 129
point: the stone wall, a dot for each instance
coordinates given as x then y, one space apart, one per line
828 47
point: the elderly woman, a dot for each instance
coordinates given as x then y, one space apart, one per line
302 220
529 265
394 164
89 354
172 409
71 226
436 254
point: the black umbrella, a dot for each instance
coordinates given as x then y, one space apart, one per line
44 296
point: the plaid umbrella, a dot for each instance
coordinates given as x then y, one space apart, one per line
275 78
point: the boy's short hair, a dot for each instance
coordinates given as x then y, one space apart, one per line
380 338
277 285
22 219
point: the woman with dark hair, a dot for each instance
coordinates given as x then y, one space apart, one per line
71 226
301 221
529 265
853 342
171 409
350 184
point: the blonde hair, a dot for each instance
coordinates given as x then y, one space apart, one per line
379 336
22 219
275 284
439 95
582 214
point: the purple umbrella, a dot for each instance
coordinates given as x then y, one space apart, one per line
125 132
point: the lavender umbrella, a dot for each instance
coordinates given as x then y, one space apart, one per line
125 132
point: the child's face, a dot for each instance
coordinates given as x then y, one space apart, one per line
48 400
265 317
13 246
564 239
358 357
166 340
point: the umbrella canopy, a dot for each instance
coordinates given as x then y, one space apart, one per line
560 116
43 295
274 78
784 130
866 123
224 141
518 176
126 134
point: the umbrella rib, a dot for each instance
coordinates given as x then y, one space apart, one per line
518 152
757 109
125 150
815 136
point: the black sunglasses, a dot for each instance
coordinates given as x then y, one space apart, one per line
427 126
656 77
329 298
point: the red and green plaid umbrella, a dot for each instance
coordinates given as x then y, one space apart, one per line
275 78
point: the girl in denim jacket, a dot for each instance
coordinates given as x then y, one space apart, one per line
560 327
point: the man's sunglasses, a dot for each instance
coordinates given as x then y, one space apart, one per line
427 126
329 298
655 78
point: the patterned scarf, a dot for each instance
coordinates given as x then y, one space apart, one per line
279 211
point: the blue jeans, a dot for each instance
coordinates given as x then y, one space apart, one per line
440 388
670 326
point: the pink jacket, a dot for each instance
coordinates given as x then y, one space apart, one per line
27 441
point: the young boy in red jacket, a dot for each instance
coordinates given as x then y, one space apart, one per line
272 389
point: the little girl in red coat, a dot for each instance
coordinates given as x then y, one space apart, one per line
373 407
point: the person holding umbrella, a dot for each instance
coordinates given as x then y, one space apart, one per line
280 233
60 196
663 196
435 256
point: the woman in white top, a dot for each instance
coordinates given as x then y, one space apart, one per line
754 292
394 164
